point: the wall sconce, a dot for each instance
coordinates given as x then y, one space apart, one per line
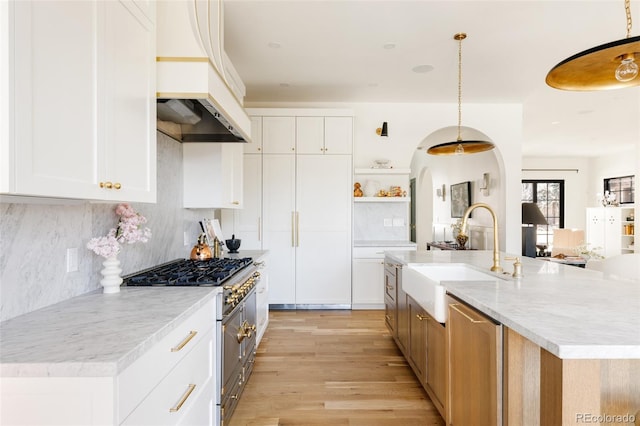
484 184
441 192
382 131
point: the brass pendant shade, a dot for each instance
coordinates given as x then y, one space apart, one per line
460 146
612 65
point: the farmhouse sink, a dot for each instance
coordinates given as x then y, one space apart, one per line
424 282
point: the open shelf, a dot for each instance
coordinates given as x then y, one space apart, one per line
381 199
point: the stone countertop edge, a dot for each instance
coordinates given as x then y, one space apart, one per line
384 243
566 310
96 334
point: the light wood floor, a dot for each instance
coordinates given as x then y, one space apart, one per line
332 368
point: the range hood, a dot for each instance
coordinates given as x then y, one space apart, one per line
198 120
199 93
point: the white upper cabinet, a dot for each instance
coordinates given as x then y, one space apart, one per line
279 135
81 101
324 135
212 175
255 146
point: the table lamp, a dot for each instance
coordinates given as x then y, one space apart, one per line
531 217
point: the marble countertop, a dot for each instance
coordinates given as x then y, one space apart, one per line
571 312
96 334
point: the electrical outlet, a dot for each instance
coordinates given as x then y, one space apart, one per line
388 221
398 221
72 259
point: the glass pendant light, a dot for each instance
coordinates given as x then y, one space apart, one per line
460 146
608 66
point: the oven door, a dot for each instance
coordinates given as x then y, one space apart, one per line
232 331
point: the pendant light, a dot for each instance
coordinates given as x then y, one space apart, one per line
609 66
460 146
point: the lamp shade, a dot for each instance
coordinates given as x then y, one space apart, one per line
531 214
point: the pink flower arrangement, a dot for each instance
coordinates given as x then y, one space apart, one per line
129 231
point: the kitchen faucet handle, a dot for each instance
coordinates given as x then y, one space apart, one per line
517 266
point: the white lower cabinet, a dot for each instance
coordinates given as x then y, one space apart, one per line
368 276
368 283
172 383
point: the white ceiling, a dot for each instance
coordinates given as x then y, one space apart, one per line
334 51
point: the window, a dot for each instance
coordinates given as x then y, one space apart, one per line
549 196
621 187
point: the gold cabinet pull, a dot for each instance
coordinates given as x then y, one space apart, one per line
187 339
110 185
473 321
184 398
236 203
422 317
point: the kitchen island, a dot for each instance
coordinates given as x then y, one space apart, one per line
570 341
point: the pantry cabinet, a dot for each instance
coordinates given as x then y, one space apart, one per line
324 135
80 104
300 209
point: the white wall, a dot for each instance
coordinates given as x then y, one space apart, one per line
614 165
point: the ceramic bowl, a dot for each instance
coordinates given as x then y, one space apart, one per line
233 245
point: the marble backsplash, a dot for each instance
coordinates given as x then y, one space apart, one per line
34 239
382 221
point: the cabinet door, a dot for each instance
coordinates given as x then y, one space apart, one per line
130 120
278 135
595 228
436 363
474 367
418 319
368 283
612 232
402 302
255 146
310 135
246 223
323 223
56 145
212 175
279 219
338 135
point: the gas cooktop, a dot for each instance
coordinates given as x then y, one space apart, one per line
187 272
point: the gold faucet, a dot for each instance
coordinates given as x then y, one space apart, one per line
496 252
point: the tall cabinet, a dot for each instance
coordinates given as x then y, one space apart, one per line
299 205
611 229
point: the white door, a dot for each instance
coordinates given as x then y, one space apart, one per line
248 226
279 182
323 257
57 107
310 135
338 135
368 283
612 231
595 230
278 135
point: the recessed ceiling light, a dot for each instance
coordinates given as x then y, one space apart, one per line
422 69
555 122
585 111
389 46
274 45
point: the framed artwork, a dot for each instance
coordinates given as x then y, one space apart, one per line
460 198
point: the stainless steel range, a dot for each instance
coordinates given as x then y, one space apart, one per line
235 316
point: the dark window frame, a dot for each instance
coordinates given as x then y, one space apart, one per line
607 185
547 230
